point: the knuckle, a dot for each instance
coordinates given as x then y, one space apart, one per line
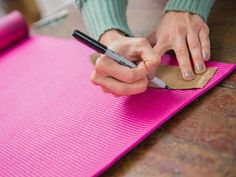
142 41
197 58
207 48
99 65
184 66
180 52
195 27
179 30
204 34
194 45
205 42
206 45
184 63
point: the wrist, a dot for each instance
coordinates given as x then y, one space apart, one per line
178 13
110 36
183 14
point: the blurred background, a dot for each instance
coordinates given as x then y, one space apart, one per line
47 16
33 10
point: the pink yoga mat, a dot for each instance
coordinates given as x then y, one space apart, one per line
54 122
13 28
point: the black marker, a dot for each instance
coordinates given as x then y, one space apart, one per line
100 48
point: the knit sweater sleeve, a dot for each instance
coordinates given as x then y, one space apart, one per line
200 7
102 15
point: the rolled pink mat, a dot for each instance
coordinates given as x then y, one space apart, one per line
13 28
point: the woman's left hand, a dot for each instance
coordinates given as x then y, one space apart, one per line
188 35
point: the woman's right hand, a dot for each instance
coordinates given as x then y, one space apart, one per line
121 80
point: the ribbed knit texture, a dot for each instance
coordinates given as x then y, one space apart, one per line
102 15
200 7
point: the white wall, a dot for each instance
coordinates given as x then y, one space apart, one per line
1 9
46 6
49 6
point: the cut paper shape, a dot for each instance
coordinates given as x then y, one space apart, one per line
172 76
55 122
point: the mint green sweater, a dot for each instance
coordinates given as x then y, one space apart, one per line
102 15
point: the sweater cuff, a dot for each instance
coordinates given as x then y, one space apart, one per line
200 7
103 15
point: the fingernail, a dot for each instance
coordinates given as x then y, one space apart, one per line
188 75
200 68
205 56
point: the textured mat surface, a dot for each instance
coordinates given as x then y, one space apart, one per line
54 122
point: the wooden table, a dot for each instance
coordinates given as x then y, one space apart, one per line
200 141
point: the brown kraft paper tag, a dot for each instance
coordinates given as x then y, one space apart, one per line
172 76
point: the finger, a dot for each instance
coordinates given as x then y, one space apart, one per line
105 90
120 88
119 72
149 56
182 55
195 50
151 61
161 48
205 44
124 89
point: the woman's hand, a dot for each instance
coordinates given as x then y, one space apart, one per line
121 80
188 35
